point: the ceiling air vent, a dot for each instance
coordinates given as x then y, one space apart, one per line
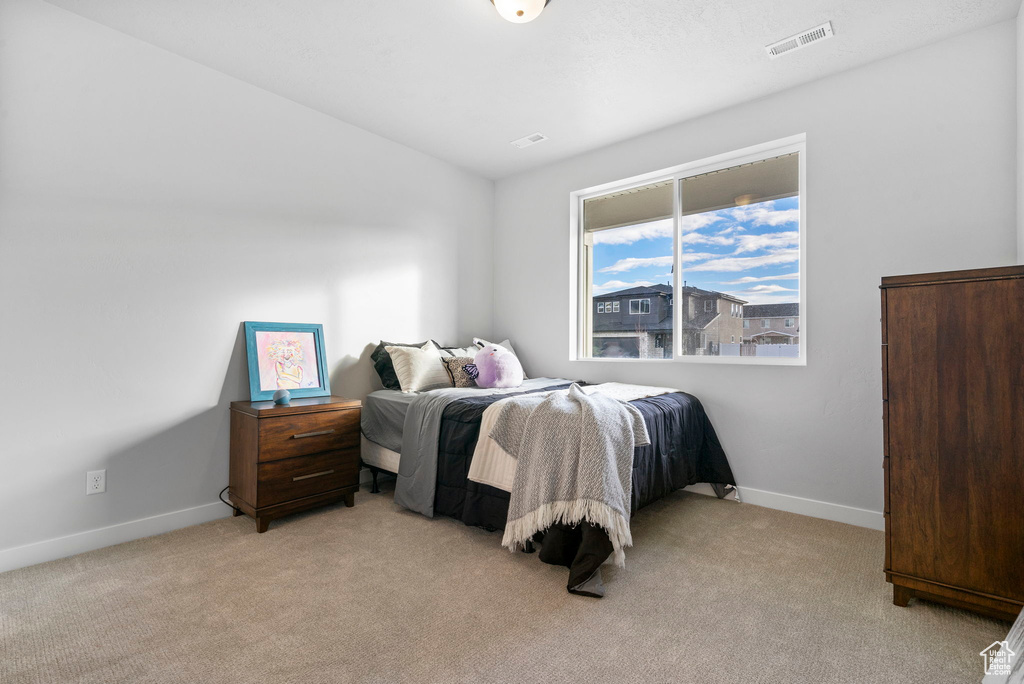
800 40
531 139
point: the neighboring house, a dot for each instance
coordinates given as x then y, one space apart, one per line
771 323
637 322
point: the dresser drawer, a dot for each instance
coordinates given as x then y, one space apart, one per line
308 433
295 478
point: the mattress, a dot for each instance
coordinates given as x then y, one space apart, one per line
375 455
383 418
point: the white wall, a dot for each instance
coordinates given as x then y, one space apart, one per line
1020 135
148 205
911 167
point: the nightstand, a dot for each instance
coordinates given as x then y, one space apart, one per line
286 459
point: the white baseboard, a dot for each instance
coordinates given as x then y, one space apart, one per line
860 517
90 540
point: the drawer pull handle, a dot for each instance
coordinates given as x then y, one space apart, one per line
306 477
312 434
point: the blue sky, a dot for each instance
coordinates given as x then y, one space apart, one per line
751 252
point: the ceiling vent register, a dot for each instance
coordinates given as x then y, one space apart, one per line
800 40
531 139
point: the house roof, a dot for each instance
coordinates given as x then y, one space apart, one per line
657 288
788 309
660 289
700 321
775 332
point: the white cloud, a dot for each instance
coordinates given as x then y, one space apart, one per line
697 221
730 264
752 279
630 263
621 285
702 239
772 241
698 256
732 229
631 234
767 289
765 215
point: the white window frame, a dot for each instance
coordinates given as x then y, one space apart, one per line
790 323
615 308
580 289
600 307
639 306
766 323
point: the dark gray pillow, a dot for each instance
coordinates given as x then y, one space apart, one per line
385 367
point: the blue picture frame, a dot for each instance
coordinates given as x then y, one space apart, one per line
278 359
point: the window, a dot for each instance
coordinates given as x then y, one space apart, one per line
726 229
600 307
639 306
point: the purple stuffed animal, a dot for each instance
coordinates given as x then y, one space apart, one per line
496 366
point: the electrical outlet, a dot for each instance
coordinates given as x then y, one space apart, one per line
96 482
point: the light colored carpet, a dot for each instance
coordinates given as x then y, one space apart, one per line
714 591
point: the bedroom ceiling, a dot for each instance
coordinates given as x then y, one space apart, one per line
454 80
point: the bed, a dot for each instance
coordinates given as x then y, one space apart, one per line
431 442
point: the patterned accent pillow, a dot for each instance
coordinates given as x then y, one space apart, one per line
457 371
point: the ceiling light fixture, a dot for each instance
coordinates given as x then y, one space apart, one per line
519 11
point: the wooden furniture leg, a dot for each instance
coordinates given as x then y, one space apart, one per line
235 512
900 595
262 524
350 499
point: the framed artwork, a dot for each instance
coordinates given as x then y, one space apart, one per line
286 356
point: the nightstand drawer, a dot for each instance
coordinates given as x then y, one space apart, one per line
308 433
295 478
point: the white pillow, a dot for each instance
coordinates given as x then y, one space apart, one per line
481 343
460 351
419 369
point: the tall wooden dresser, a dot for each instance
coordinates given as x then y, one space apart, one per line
953 413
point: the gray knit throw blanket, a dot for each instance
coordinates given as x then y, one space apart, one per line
575 463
